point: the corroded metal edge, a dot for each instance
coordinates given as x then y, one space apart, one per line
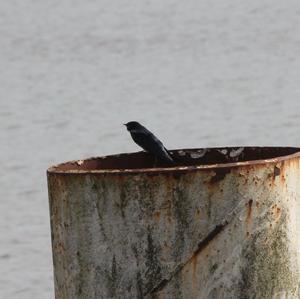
157 170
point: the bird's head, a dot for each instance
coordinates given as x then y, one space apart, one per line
133 126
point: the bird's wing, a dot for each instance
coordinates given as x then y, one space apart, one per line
147 141
150 143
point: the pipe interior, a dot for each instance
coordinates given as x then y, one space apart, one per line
182 157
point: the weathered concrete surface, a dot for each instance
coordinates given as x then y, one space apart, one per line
216 231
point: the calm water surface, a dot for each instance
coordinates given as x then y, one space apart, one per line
198 73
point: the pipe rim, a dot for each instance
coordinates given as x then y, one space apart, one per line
77 164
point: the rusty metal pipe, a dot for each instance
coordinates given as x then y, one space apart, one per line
223 223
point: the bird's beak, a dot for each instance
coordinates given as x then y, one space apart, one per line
125 125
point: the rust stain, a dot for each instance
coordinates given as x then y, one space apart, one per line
276 172
157 216
256 180
194 262
279 171
209 237
198 213
193 259
201 246
276 212
258 205
219 175
249 210
249 216
283 171
60 247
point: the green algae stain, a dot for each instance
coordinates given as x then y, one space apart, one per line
268 271
153 267
181 214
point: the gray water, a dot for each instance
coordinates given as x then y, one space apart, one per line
197 73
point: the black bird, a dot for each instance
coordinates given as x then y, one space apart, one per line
145 139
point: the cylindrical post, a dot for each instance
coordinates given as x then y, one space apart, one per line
224 225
